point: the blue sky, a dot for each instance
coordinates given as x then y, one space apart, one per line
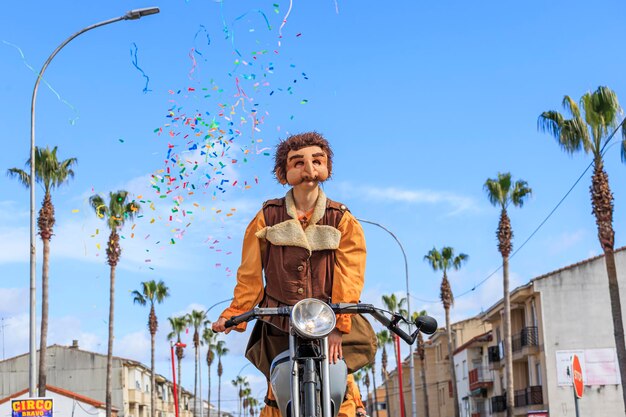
422 103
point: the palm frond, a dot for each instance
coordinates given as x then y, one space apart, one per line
521 191
551 122
570 105
22 176
138 298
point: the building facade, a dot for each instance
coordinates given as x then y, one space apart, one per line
553 316
84 373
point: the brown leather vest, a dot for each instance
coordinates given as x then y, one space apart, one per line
293 273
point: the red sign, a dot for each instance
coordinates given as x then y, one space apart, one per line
577 377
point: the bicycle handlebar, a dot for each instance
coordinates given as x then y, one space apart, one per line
425 324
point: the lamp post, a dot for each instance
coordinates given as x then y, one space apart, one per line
130 15
408 306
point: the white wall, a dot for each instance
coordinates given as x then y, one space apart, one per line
576 315
62 407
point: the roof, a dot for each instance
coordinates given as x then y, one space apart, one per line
574 265
485 337
549 274
65 393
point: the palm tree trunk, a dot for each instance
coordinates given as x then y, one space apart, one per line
425 388
508 350
385 376
616 312
375 400
110 344
219 393
209 389
451 361
44 316
602 204
152 378
195 382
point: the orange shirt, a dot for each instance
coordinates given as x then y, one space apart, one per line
348 278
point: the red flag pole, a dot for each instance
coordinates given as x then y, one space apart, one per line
174 380
397 340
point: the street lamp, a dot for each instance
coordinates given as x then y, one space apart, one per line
130 15
408 306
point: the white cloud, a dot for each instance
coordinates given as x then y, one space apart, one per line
457 203
565 241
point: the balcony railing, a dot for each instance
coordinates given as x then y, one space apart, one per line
480 377
527 337
529 396
498 403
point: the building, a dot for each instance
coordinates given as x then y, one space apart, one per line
474 376
437 371
553 316
84 373
65 403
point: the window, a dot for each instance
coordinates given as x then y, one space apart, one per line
538 373
464 369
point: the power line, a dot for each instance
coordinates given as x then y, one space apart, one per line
602 152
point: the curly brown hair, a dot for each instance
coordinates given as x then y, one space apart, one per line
295 142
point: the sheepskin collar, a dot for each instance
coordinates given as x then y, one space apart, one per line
290 232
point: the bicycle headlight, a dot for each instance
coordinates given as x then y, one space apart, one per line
312 318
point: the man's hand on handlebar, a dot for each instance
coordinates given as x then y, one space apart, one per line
334 346
219 326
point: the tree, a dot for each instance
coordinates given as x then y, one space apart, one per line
383 338
501 192
589 131
116 212
210 340
422 355
50 173
151 292
442 261
196 318
253 403
220 350
241 383
178 325
395 306
364 375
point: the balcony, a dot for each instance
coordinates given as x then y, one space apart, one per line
498 403
526 338
480 378
529 396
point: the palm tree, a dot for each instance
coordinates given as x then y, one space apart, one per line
210 339
240 383
395 306
178 325
151 292
422 355
220 350
50 173
196 318
501 192
366 382
245 394
589 131
253 403
443 261
383 339
116 212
